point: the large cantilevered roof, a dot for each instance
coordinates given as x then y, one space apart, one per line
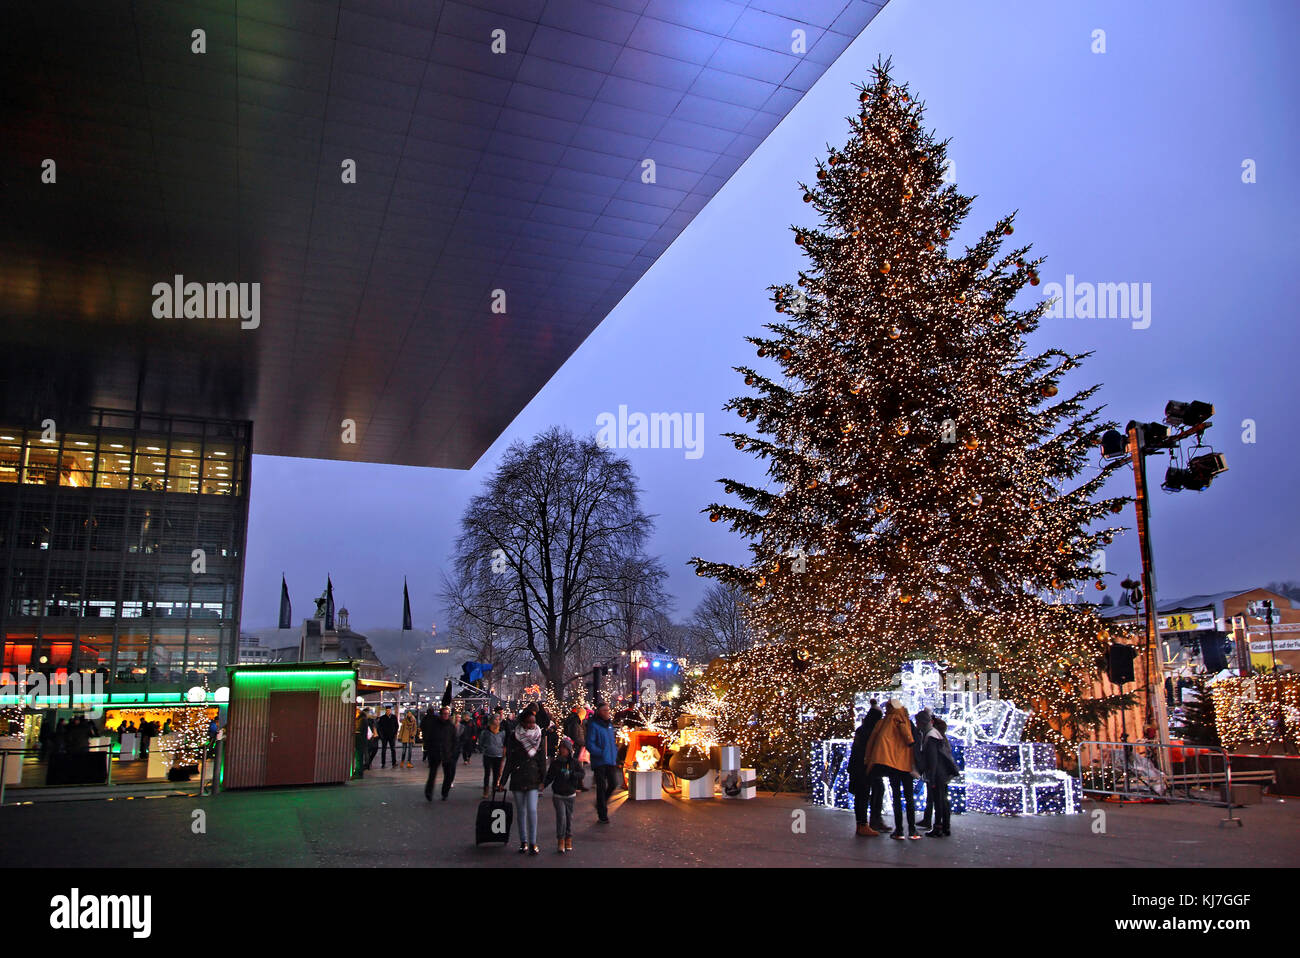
476 170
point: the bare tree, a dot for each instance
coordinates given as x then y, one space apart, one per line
719 622
1288 588
544 547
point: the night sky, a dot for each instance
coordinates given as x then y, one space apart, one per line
1126 167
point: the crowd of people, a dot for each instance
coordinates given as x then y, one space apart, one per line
523 752
891 745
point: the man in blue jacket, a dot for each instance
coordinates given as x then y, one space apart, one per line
602 744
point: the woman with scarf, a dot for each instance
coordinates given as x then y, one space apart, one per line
525 769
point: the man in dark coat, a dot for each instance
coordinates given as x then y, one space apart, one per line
386 726
859 781
442 744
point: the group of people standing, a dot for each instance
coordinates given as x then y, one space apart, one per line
890 745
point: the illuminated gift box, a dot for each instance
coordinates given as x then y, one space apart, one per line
725 757
1019 779
739 783
645 786
701 787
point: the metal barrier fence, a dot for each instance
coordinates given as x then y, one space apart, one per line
1200 774
205 785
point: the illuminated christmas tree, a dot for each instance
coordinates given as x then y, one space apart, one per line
931 486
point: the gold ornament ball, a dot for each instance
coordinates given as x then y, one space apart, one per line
884 267
1049 391
714 517
902 429
972 443
904 599
1099 586
895 332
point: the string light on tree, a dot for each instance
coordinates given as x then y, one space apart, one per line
953 481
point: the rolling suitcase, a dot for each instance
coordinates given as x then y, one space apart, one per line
492 824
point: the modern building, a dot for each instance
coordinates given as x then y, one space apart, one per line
253 652
122 549
371 230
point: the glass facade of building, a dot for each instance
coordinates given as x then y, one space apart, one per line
99 523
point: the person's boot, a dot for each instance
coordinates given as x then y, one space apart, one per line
897 833
568 844
877 825
934 833
560 847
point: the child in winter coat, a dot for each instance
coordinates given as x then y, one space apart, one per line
564 777
939 767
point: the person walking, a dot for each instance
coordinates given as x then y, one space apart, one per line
565 778
365 730
939 767
921 726
602 744
468 736
492 744
525 770
859 781
890 748
440 740
406 736
575 729
386 727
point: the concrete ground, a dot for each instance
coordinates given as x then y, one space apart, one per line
384 821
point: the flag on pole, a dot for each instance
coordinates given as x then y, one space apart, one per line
446 695
406 607
286 608
329 605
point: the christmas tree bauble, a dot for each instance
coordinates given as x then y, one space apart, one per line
821 174
974 498
1008 231
1099 586
761 352
807 197
1117 508
798 239
902 429
749 380
714 517
1049 391
786 353
895 332
945 232
972 443
904 599
884 267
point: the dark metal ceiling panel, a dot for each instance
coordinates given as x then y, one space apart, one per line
475 171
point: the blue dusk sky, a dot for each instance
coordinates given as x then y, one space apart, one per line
1126 167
